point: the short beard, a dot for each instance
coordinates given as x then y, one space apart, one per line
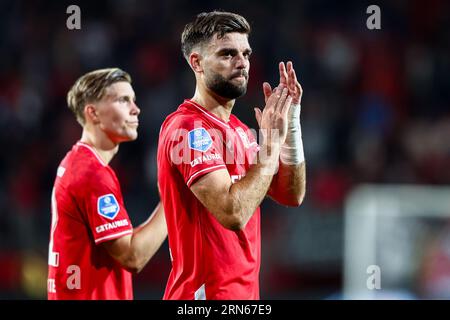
224 88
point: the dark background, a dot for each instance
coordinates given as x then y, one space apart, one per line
375 110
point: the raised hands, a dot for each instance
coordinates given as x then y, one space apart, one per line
288 78
273 120
290 136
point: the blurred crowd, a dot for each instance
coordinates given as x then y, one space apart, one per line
376 109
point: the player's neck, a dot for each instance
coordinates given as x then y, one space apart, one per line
104 147
215 104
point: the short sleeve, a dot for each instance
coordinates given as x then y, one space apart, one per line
104 207
195 150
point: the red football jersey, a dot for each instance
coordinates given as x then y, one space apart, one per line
87 209
208 260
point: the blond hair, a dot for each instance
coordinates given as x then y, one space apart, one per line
91 87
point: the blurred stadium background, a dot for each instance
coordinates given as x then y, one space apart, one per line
376 110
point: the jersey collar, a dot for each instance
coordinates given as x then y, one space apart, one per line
79 143
207 113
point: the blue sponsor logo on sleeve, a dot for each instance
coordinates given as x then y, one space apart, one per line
107 206
200 140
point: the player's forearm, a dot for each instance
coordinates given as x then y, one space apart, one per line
247 194
288 186
147 238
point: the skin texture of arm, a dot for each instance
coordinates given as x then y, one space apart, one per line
134 251
233 204
289 185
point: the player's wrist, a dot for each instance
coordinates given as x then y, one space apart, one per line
292 155
268 156
291 152
270 150
294 129
294 115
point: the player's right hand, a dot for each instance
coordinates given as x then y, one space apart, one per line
273 120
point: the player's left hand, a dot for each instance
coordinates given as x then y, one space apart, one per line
288 78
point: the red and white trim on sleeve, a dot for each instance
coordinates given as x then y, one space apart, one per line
113 236
204 171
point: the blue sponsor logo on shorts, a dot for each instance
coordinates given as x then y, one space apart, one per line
200 140
107 206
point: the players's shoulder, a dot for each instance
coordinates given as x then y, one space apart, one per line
180 119
236 122
86 163
83 152
93 177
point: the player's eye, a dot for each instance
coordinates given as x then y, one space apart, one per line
247 54
228 53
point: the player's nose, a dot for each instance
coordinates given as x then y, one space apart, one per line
135 109
241 61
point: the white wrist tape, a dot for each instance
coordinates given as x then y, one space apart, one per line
292 149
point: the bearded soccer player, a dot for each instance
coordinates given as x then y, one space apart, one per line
93 246
212 173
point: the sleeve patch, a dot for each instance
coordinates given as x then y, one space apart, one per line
199 139
107 206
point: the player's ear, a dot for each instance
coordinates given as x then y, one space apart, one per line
90 112
195 61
